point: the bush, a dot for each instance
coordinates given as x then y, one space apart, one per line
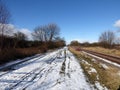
8 55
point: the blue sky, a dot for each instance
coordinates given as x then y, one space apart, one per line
82 20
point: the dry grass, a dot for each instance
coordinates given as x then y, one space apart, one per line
109 78
113 52
29 51
8 55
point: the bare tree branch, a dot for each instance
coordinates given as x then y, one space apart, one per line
4 19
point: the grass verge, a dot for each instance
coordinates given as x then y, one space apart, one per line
96 71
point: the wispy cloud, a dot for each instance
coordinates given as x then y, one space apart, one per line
117 23
11 29
26 32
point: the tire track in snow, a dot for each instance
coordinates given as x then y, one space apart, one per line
74 78
46 71
44 74
11 69
49 69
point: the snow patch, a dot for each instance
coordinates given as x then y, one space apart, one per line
97 77
104 66
92 70
99 87
93 60
86 62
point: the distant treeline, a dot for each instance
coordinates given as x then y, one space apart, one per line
107 39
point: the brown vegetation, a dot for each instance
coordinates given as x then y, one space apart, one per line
7 55
113 52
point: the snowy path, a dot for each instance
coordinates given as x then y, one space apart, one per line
58 70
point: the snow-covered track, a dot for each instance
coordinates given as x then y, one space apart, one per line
9 68
5 67
58 70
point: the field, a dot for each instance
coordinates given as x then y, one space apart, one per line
113 52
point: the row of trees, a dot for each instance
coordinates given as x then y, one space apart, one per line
41 34
107 39
84 44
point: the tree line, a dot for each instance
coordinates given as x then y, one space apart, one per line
45 34
48 35
107 39
14 45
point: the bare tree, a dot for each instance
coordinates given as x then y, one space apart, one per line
4 19
117 40
53 31
46 33
107 39
39 33
20 36
118 37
